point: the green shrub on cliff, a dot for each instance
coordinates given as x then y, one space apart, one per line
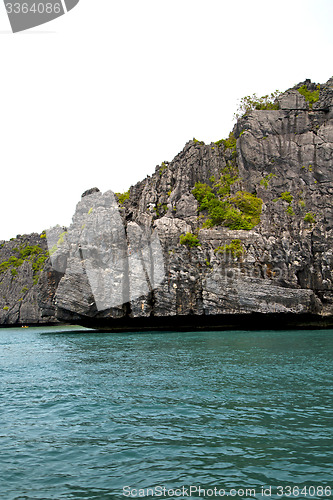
30 251
163 167
229 176
198 142
230 142
38 266
249 204
203 194
235 248
122 197
241 211
253 102
12 262
287 196
266 180
33 254
311 97
189 239
310 218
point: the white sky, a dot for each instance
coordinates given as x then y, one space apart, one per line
102 95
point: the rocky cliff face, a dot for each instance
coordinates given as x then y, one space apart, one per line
27 281
254 214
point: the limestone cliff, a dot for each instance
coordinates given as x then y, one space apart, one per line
27 281
241 228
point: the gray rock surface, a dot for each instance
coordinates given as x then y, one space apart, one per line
124 261
27 288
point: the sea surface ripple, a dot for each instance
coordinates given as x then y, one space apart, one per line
84 414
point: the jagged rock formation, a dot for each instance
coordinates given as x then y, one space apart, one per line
111 274
27 281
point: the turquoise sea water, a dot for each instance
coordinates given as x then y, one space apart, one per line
82 415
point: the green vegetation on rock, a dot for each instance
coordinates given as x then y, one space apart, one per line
235 248
241 211
253 102
286 196
163 167
228 177
160 209
310 97
290 210
266 180
310 218
38 266
229 143
33 254
122 197
189 239
12 262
